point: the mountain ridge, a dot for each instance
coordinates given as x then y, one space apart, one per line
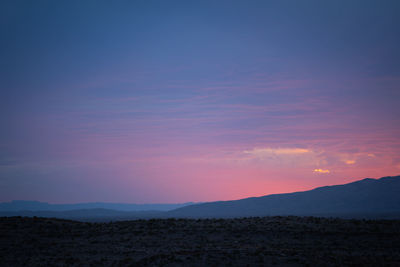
28 205
366 196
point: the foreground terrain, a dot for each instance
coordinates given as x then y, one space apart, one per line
289 241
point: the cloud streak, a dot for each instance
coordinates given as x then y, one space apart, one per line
262 152
322 171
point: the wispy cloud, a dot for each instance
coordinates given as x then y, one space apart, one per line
321 171
286 157
262 152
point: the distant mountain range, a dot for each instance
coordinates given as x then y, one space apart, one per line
23 205
96 211
367 198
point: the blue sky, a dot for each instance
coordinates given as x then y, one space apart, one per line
166 101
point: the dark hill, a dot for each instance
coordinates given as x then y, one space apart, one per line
23 205
370 198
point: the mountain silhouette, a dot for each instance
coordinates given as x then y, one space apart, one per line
24 205
369 198
94 215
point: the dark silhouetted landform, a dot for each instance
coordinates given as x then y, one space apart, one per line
98 211
23 205
89 215
368 198
267 241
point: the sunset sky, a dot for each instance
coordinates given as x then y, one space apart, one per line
175 101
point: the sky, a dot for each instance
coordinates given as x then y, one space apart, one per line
176 101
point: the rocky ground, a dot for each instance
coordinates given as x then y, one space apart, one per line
287 241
